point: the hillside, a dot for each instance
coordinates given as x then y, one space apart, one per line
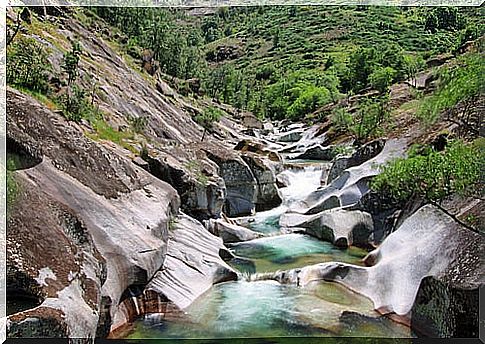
265 59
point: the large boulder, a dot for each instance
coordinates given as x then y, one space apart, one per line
446 310
264 172
193 261
341 227
89 192
241 185
201 190
250 181
230 233
361 155
317 152
54 272
352 184
429 243
290 136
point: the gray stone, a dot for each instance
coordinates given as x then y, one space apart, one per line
429 243
317 152
192 261
341 227
352 184
230 233
366 152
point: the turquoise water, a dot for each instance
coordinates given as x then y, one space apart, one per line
269 309
265 308
290 251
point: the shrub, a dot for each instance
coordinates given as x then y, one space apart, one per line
370 116
75 104
27 65
434 175
70 62
310 99
138 124
341 119
12 185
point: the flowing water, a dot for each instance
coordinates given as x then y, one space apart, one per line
265 308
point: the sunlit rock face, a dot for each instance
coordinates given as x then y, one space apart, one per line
427 244
192 261
361 155
125 212
118 236
54 272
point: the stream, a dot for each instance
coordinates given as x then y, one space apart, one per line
257 307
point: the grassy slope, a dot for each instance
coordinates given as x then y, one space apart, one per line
316 32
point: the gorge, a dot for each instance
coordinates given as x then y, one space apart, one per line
126 224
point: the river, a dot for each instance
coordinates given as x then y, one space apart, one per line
256 307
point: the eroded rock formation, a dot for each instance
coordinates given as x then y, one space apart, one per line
439 255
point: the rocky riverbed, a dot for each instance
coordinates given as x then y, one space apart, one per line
263 229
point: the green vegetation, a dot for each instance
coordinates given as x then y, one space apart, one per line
366 122
27 65
260 58
12 185
207 119
138 124
172 224
435 175
176 47
445 18
74 101
381 78
462 81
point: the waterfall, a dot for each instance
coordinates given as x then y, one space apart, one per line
301 183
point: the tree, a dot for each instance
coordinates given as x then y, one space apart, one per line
381 79
207 119
444 18
309 99
74 101
70 62
341 119
362 63
276 38
413 64
27 65
371 114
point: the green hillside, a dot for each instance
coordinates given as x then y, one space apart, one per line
288 61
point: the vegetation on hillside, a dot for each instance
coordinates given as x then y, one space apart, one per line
285 62
461 81
434 175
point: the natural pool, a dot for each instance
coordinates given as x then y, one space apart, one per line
255 308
